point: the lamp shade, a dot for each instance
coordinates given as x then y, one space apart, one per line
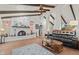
73 22
2 31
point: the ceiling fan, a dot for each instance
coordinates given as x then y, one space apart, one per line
41 7
40 10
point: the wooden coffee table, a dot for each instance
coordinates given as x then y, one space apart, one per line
57 46
54 45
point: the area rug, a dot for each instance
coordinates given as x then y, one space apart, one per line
33 49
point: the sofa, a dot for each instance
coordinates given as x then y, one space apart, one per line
67 39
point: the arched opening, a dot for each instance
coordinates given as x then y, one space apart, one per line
21 33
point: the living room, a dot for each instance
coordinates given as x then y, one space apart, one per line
27 29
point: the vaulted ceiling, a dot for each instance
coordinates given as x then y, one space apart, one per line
64 10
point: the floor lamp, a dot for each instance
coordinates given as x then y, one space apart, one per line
2 35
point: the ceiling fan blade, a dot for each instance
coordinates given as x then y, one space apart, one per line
49 6
46 9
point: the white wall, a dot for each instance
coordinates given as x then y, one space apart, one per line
36 19
25 20
65 11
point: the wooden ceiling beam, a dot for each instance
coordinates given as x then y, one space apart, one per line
44 5
19 16
63 19
52 17
51 23
10 12
72 12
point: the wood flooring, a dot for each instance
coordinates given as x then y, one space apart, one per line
8 46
